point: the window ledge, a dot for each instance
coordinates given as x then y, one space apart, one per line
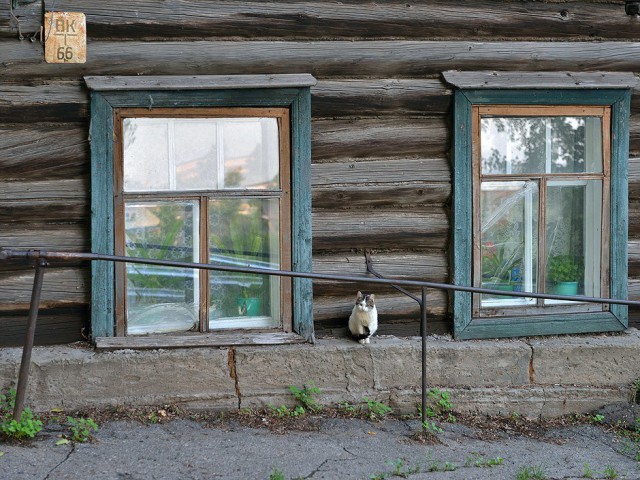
226 339
540 80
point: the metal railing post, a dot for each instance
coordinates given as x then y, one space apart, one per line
423 333
23 377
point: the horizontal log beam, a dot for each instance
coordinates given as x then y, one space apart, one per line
381 170
362 138
381 195
71 237
54 326
44 151
412 228
61 286
148 19
322 59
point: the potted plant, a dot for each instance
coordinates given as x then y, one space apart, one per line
499 268
563 273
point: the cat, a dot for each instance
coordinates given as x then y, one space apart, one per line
363 321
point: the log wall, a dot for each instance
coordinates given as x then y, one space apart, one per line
381 116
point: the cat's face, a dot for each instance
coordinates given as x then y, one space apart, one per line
365 301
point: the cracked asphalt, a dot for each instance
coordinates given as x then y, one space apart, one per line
339 449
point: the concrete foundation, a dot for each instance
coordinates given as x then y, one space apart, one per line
535 377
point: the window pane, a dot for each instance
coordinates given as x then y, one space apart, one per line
244 232
522 145
200 154
574 218
509 240
195 150
146 154
161 299
251 153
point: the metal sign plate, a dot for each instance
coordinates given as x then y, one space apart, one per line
65 35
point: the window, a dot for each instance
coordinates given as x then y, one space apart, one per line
209 175
539 201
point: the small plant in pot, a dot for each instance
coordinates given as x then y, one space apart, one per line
498 267
563 273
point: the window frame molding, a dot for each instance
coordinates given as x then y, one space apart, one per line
209 91
616 319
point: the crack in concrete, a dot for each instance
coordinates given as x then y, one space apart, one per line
317 469
531 369
233 373
73 449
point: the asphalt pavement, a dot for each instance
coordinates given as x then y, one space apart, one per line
339 449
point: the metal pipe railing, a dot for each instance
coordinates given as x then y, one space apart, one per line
42 257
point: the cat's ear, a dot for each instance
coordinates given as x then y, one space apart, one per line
359 295
372 297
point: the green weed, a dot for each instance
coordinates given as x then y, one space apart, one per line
81 428
28 425
276 474
597 418
531 473
431 427
610 473
305 396
587 471
375 410
399 470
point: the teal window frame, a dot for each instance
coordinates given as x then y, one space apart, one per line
616 319
109 93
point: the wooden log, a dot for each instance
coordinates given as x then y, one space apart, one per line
362 138
323 59
68 101
59 189
54 326
634 133
634 259
51 210
25 21
634 220
376 195
148 19
331 98
71 237
43 151
424 227
58 102
634 169
381 170
61 286
427 266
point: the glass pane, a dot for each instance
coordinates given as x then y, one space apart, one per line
244 232
509 240
574 228
195 148
522 145
161 299
146 154
200 154
251 153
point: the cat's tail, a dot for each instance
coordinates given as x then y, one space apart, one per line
362 336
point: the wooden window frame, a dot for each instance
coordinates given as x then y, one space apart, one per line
466 100
602 112
202 197
111 97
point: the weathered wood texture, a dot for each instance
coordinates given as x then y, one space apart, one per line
420 227
482 19
54 326
43 151
23 20
329 59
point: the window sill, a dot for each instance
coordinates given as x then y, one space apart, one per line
226 339
541 325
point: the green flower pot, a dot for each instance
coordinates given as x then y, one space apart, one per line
249 307
565 288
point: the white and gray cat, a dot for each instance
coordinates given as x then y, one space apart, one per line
363 321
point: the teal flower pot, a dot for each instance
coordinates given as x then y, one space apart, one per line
565 288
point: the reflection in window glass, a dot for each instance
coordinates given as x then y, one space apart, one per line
244 232
522 145
161 299
573 237
509 232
